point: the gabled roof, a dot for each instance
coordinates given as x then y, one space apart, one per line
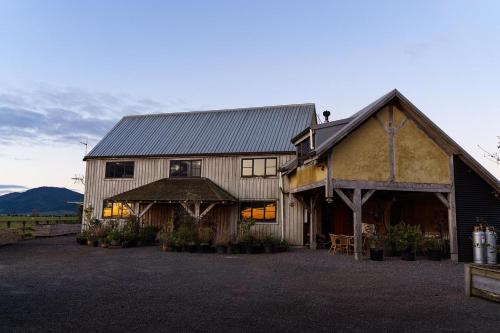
176 189
364 114
265 129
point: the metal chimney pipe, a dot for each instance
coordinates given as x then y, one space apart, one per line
326 114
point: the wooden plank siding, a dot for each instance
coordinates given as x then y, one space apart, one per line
225 171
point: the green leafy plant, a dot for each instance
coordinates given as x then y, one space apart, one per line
205 234
131 229
377 241
431 243
405 237
147 234
244 230
270 239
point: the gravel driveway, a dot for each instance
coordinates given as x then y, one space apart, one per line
56 285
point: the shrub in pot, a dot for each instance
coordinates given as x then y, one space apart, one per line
269 243
205 236
220 248
81 238
147 235
406 239
283 246
166 237
433 247
377 244
114 237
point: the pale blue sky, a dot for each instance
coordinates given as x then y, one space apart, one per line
70 69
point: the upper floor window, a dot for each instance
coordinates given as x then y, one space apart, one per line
185 168
258 167
303 150
115 210
119 169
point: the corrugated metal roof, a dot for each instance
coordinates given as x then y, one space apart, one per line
246 130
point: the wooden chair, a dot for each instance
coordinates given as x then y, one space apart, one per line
340 243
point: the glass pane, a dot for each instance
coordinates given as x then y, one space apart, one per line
246 210
125 211
246 172
259 166
106 211
258 213
185 168
247 163
175 168
196 168
270 214
129 170
116 210
270 167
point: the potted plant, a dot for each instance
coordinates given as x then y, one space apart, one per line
221 247
376 243
166 238
246 238
406 239
81 238
147 235
269 243
179 244
283 246
130 232
433 247
114 238
205 235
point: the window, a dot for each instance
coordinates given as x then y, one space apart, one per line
303 150
115 210
260 211
187 168
119 169
258 167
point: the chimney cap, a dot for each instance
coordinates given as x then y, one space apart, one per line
326 114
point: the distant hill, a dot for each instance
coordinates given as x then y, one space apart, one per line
43 200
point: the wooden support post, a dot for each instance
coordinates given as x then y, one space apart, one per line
197 209
367 196
357 218
189 211
329 176
452 216
312 223
443 199
344 197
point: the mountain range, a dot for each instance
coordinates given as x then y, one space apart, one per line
41 200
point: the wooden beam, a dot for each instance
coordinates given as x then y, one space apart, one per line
392 154
329 176
308 187
207 210
452 215
130 208
342 195
442 198
357 220
391 186
189 211
381 123
146 209
367 196
197 206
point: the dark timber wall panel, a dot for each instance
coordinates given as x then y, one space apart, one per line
474 199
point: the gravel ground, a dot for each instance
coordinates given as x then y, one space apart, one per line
56 285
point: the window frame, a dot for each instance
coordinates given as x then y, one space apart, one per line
264 202
253 167
121 216
114 175
190 168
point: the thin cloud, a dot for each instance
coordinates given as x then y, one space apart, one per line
68 115
9 188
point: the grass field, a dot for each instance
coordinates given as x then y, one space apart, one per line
25 221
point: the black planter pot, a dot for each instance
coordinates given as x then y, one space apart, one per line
178 248
233 249
268 248
221 249
81 241
205 248
435 255
192 248
408 255
377 254
171 248
247 248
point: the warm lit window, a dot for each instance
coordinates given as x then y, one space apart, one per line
260 211
119 169
187 168
115 210
258 167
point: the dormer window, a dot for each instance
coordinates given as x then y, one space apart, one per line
303 150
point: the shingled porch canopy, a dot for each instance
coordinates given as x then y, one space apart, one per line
188 192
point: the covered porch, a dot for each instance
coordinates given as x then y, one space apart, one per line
163 202
350 209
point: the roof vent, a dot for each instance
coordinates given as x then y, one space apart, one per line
326 114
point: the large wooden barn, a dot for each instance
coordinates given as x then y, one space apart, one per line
298 179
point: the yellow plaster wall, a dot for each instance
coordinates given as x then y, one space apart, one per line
363 154
418 158
306 175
